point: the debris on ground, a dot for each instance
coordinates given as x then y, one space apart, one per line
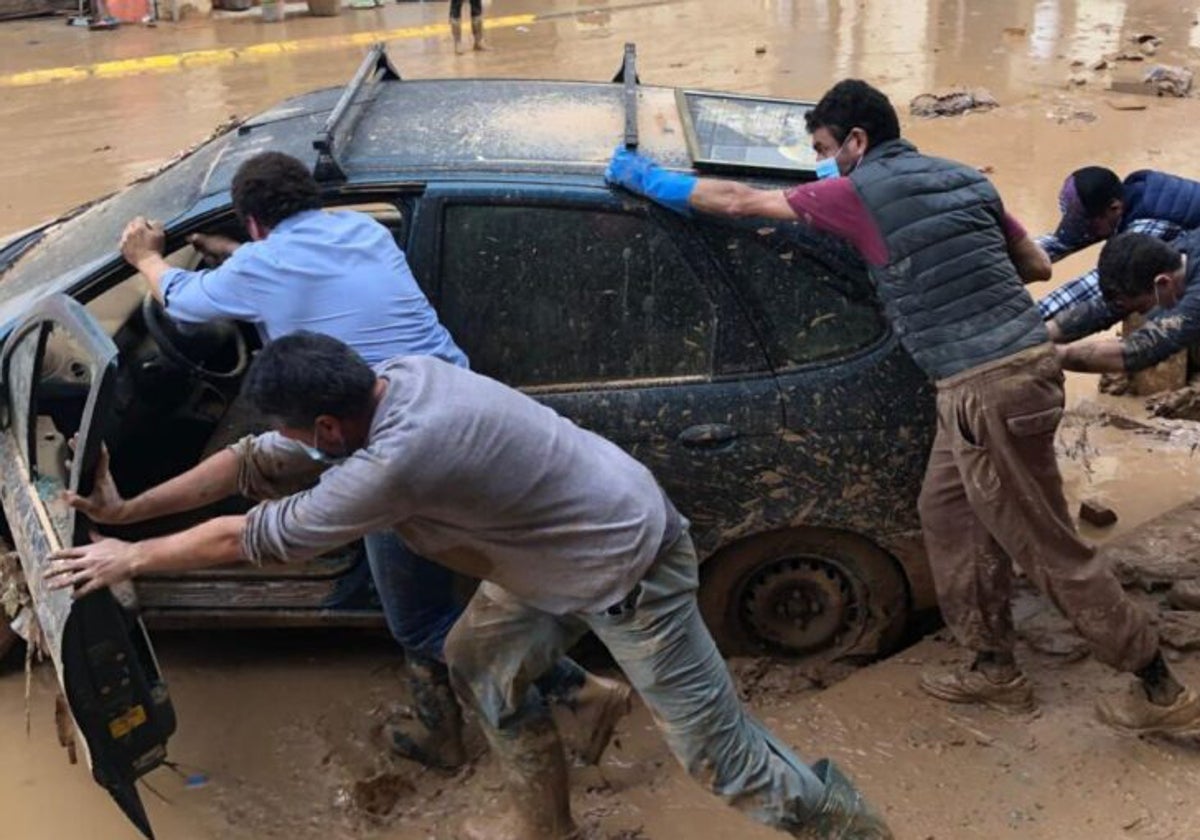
1160 80
1015 31
1125 105
761 49
1184 595
1097 513
952 103
1179 404
1077 79
1170 80
1099 64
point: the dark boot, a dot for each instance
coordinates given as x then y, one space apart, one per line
456 33
435 738
843 814
477 32
535 778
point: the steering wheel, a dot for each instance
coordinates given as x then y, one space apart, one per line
192 346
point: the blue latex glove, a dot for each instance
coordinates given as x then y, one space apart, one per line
640 175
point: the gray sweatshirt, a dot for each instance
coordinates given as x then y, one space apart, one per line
476 476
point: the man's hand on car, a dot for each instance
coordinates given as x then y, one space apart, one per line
640 175
213 247
105 562
142 239
105 503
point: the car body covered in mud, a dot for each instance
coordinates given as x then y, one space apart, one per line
748 366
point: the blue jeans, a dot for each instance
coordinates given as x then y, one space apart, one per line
664 648
420 606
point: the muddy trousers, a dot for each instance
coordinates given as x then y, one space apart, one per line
660 642
420 606
993 496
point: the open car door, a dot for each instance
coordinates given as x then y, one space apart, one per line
59 373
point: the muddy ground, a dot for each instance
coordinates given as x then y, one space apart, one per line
279 726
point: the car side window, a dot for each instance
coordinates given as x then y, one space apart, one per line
50 383
549 295
813 302
22 368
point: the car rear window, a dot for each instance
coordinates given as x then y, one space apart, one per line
809 292
545 296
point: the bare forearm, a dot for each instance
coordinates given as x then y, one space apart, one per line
212 543
1030 260
211 480
729 198
1093 356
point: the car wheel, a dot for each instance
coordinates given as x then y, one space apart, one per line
809 592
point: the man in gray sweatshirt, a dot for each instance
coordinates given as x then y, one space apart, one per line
568 532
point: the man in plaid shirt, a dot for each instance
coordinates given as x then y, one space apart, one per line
1096 204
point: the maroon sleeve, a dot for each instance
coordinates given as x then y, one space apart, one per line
1014 231
834 206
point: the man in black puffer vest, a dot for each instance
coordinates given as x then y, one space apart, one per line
947 263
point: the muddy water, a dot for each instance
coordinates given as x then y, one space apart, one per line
281 726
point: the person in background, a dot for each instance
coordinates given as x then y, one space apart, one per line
1096 204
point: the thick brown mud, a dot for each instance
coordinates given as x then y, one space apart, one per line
280 728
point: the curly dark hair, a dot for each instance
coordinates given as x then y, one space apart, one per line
852 103
300 376
1130 262
272 187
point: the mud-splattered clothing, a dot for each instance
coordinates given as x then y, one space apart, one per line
935 241
1166 331
478 477
993 495
661 643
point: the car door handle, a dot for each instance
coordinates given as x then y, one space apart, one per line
707 436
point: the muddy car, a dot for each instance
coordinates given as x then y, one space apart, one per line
748 366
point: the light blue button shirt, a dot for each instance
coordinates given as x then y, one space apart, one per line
338 273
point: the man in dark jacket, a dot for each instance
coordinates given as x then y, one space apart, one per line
1096 204
947 263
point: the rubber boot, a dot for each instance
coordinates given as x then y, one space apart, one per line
435 738
843 814
535 778
477 32
456 33
590 714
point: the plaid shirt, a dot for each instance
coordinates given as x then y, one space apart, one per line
1087 287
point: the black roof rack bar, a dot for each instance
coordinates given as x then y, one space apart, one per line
335 134
628 75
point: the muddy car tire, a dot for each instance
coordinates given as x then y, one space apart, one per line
808 593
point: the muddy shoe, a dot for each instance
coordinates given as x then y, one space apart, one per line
965 685
1136 715
843 813
435 738
591 713
1184 595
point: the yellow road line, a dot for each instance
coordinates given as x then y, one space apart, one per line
256 52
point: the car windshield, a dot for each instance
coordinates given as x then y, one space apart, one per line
94 233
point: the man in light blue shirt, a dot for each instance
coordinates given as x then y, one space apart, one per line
341 273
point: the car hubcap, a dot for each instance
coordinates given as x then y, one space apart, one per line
800 604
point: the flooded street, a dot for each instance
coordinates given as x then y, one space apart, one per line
277 729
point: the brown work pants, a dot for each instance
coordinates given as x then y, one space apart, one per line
993 496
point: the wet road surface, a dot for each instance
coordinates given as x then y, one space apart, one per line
280 724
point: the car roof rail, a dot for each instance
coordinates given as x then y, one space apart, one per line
335 134
628 75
